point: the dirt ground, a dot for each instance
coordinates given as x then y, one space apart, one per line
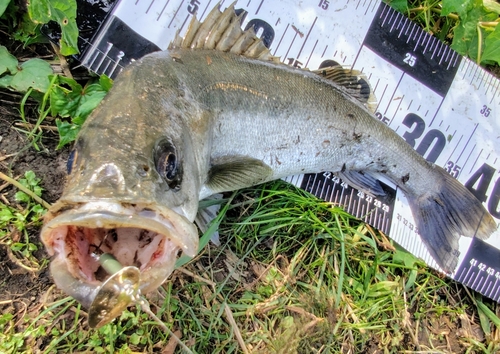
17 157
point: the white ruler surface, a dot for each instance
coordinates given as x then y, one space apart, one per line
442 104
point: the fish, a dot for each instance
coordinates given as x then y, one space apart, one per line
216 112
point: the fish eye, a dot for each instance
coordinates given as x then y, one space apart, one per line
71 161
167 163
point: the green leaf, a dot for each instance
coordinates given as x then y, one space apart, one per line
40 11
459 7
76 102
489 313
398 5
67 132
466 37
492 5
30 178
38 209
70 99
28 32
21 197
69 38
63 101
8 62
5 81
134 339
3 6
105 82
32 73
88 104
485 316
64 13
17 246
402 256
492 46
5 213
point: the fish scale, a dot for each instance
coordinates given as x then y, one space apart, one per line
397 58
247 103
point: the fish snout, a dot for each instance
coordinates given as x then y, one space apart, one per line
113 181
108 178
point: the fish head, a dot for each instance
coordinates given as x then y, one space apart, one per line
132 187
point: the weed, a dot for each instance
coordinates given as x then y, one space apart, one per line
16 221
69 99
470 26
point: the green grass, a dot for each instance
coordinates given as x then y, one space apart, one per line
293 275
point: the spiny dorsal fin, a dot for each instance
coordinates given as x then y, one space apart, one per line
354 82
222 31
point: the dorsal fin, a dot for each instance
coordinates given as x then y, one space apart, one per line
222 31
354 82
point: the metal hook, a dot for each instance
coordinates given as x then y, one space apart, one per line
116 293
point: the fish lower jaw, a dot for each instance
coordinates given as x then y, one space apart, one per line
141 236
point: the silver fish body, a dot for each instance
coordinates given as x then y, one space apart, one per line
183 124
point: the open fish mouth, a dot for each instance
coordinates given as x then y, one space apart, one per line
144 236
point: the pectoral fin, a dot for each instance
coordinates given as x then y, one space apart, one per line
236 172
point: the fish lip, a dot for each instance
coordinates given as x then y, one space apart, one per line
171 231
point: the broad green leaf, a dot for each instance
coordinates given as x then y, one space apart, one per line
134 338
69 99
28 32
105 82
40 11
492 46
17 246
76 102
64 101
69 39
5 81
466 38
8 62
21 197
5 213
38 209
33 73
404 257
67 132
398 5
87 105
460 7
492 5
64 13
3 6
30 178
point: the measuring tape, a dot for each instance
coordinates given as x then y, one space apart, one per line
442 104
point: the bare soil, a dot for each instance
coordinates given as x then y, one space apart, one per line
19 285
